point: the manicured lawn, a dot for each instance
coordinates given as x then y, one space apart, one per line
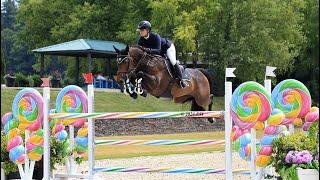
114 102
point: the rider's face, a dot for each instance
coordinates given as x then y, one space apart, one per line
143 32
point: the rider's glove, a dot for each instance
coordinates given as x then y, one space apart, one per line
147 50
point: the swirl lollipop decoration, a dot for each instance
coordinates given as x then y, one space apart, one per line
14 140
82 141
293 98
27 107
250 105
72 99
34 145
272 131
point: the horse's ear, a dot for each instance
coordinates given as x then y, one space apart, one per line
117 50
127 48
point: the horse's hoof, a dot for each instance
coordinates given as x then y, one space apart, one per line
144 94
211 120
134 95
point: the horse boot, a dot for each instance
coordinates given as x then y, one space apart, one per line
178 72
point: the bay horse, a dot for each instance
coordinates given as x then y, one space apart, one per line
135 66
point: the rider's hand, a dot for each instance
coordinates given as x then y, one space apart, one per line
146 49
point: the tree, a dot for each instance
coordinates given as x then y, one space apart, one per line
3 66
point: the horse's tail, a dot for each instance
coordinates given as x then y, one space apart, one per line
208 76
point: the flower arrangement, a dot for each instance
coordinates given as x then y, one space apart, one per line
299 150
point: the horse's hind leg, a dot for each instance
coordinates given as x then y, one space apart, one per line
201 103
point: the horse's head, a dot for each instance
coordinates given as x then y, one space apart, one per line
123 63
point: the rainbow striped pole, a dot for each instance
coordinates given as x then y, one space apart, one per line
138 115
168 142
169 170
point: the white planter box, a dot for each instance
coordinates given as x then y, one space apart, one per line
308 174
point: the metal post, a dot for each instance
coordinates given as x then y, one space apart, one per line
89 62
41 65
77 70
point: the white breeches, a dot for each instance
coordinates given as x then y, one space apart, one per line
171 54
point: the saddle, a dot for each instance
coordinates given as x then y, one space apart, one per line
185 71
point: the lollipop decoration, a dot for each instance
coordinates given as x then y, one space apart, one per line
58 131
250 105
14 140
72 99
27 107
271 132
310 118
293 98
9 122
82 141
34 145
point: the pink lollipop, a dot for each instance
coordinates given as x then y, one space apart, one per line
311 117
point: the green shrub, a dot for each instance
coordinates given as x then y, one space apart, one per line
295 142
37 80
67 81
31 81
21 80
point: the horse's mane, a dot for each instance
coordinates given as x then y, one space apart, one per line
136 46
140 47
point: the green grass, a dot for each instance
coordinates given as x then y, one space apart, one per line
114 102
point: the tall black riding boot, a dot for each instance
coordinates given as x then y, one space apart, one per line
178 72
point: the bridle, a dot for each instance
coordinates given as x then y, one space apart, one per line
123 58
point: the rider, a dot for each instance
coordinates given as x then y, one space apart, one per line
152 43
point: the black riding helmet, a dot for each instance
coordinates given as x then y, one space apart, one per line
144 25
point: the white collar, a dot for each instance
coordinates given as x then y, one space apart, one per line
147 36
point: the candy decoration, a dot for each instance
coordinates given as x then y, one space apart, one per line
27 108
241 141
82 141
271 132
9 122
34 145
14 140
310 118
250 105
17 155
72 99
293 98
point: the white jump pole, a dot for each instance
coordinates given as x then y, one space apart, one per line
91 139
267 85
253 154
228 124
46 129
